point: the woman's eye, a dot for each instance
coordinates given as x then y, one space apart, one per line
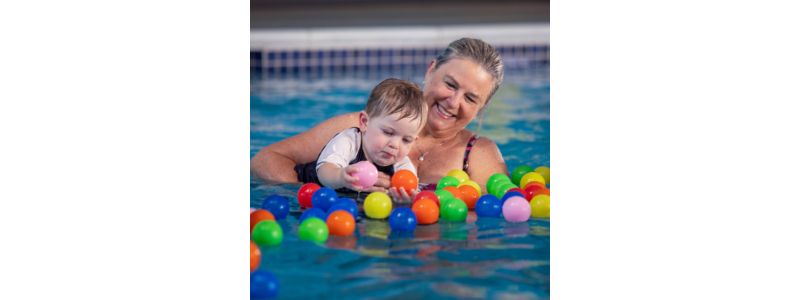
450 85
471 100
407 141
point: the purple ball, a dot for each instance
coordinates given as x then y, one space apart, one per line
516 209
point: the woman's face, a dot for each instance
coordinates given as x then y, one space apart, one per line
455 92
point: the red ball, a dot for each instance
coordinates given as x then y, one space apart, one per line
533 189
305 192
430 195
405 179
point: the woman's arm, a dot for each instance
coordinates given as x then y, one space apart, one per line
275 163
485 159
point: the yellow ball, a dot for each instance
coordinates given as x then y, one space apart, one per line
378 205
540 206
545 172
472 184
459 174
529 177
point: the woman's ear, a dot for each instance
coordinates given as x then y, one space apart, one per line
362 121
429 72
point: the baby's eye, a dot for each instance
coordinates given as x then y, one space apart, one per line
387 132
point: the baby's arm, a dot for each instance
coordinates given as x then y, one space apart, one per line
333 176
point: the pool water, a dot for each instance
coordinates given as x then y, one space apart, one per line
479 259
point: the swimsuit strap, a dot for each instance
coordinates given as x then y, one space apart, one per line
468 149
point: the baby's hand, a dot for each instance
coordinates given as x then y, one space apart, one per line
348 180
380 186
400 196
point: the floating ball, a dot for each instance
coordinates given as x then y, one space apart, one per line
259 215
426 195
469 195
366 173
443 196
447 181
305 193
263 285
312 213
488 206
454 211
494 180
518 172
472 184
277 205
535 188
324 198
509 194
267 233
453 190
313 230
426 211
345 204
545 172
255 256
531 176
405 179
516 209
403 218
458 174
341 223
540 206
377 205
503 188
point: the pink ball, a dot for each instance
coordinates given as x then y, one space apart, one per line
516 209
367 174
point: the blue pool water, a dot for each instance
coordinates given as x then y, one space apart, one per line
487 258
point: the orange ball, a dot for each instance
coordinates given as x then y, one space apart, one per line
258 216
470 195
427 211
341 223
255 256
405 179
453 190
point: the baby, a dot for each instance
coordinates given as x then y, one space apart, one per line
388 127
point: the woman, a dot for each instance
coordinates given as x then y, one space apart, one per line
457 86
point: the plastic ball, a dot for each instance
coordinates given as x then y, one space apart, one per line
488 206
469 195
366 173
472 184
267 233
458 174
454 211
255 256
341 223
503 188
312 213
516 209
453 190
518 172
277 205
540 206
345 204
324 198
314 230
259 215
531 176
494 180
545 172
305 193
405 179
444 196
377 205
403 218
426 195
535 188
263 285
509 194
447 181
426 211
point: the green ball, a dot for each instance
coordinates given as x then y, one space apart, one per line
447 181
518 172
444 196
454 211
502 188
494 181
314 230
267 233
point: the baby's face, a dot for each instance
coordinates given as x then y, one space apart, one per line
388 139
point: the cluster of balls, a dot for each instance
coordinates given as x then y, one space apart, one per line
525 195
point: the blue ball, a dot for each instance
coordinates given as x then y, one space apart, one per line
324 198
263 285
402 218
509 195
346 204
277 205
313 213
488 206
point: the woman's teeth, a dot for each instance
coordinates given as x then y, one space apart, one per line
443 112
